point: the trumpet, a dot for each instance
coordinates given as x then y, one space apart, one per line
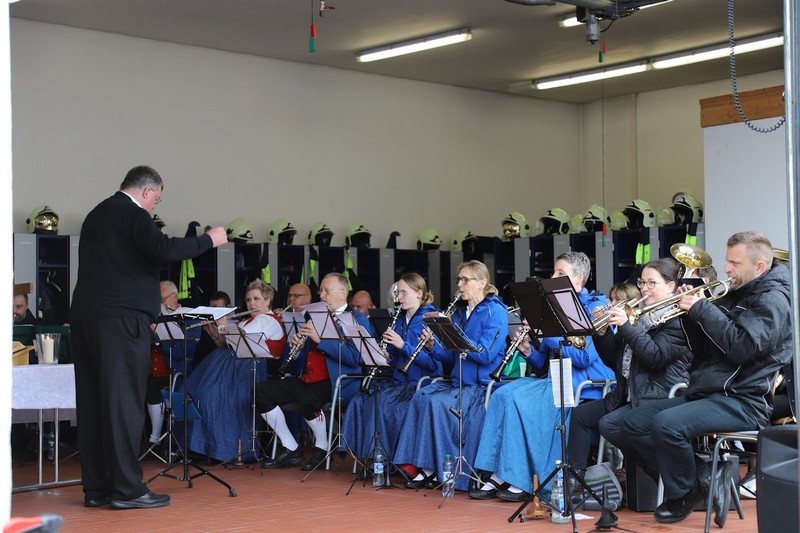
212 320
629 306
374 370
293 352
672 302
691 258
425 338
498 372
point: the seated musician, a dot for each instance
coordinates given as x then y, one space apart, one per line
414 301
211 338
22 313
430 430
519 437
222 387
649 358
313 374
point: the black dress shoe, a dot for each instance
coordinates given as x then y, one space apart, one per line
722 492
96 502
678 509
510 496
317 457
427 482
487 494
147 500
284 458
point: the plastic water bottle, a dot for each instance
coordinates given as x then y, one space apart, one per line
449 481
377 469
558 513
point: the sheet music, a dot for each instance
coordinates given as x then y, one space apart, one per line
167 331
367 345
569 398
247 345
292 322
215 312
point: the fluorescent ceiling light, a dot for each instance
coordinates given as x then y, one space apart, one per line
414 45
592 75
716 52
661 62
570 21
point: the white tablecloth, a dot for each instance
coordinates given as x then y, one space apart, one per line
35 387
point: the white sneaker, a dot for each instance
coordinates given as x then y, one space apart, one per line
747 490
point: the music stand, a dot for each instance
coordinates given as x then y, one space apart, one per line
452 338
248 346
553 309
326 325
185 462
373 357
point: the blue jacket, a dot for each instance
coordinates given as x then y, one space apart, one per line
424 364
586 363
487 328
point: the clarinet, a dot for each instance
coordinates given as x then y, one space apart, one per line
293 353
424 340
498 372
365 383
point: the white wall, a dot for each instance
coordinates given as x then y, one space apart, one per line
746 185
653 143
241 136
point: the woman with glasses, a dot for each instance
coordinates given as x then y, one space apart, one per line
392 397
649 359
518 438
430 430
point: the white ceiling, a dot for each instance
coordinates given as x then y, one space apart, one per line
511 43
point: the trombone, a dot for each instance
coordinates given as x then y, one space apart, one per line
672 302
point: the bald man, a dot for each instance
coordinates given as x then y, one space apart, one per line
362 302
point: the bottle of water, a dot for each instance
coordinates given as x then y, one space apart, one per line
449 478
377 469
558 514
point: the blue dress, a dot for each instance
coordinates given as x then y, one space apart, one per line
430 430
391 397
519 435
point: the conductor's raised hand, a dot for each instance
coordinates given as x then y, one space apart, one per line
218 236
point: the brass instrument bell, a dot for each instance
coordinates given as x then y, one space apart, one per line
690 257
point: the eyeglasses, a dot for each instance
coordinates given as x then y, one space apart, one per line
650 284
462 279
327 291
158 199
404 292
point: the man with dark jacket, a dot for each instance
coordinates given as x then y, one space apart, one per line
115 301
739 343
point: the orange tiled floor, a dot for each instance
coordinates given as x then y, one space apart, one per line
272 499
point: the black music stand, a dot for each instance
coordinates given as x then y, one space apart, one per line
452 338
326 325
185 462
373 357
553 309
251 346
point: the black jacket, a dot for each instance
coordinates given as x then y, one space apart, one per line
119 261
741 341
661 358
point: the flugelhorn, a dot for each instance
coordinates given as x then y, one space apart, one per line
672 301
212 320
497 373
425 338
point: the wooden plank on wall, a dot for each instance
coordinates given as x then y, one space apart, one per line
758 104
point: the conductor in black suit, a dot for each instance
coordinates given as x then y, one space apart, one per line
116 299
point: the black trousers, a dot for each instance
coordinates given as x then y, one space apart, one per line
112 361
279 392
661 433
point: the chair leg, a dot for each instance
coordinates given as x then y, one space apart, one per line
736 500
710 495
